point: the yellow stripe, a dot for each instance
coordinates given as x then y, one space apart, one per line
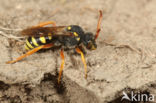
75 34
78 39
28 44
34 41
26 47
69 27
49 36
42 39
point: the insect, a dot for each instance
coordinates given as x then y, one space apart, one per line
71 37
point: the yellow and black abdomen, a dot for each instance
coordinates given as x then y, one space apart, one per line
33 42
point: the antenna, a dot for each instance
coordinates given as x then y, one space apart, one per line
98 25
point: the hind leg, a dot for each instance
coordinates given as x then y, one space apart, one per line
30 53
45 23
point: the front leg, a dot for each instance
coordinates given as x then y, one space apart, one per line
83 60
81 47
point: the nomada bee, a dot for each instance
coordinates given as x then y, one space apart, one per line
67 37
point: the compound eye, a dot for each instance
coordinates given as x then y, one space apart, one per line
89 38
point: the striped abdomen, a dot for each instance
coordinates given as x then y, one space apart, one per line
33 42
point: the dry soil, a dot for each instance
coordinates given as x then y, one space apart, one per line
125 59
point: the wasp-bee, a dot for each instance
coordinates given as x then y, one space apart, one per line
67 37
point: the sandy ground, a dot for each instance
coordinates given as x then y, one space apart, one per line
124 60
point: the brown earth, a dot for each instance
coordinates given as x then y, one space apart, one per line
124 60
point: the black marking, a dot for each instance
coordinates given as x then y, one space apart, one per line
28 46
30 41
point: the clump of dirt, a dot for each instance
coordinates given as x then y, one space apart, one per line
46 92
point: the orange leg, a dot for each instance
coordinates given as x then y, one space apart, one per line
62 65
30 52
83 60
45 23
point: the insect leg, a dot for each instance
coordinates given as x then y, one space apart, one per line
62 65
83 60
45 23
30 52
